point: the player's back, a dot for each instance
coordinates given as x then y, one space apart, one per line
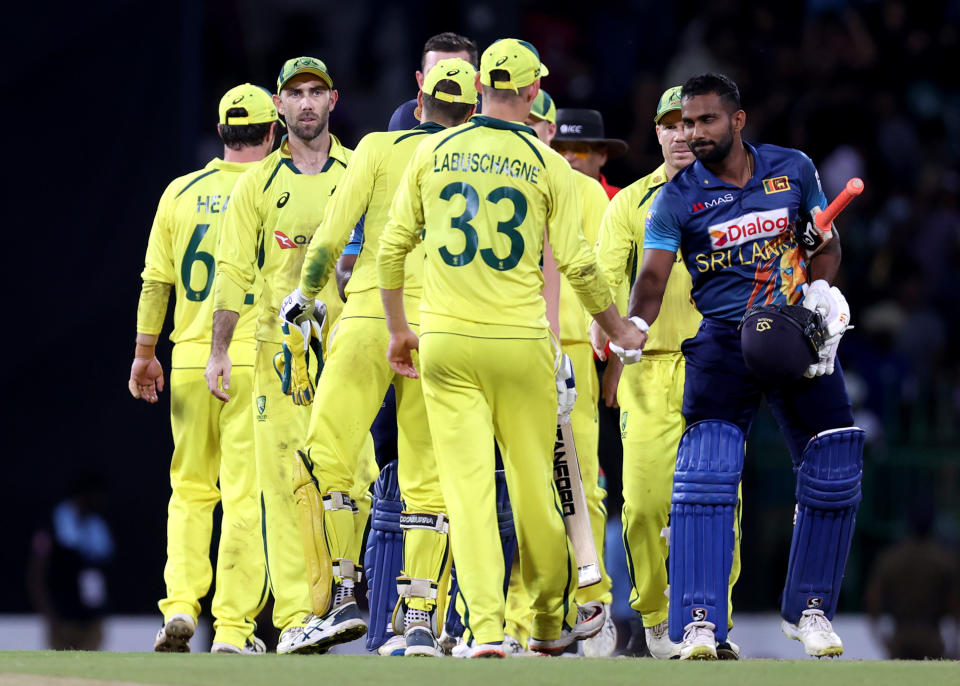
487 189
391 152
184 238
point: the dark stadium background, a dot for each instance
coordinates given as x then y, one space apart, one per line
106 102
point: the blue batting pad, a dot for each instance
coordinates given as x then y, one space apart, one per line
384 555
709 463
828 493
453 625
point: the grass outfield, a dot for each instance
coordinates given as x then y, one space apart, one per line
35 668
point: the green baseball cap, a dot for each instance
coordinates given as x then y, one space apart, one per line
669 102
303 65
544 107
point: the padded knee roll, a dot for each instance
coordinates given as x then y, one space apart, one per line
828 493
702 514
384 555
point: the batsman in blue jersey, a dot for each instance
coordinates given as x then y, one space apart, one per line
771 325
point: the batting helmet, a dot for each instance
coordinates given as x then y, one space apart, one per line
779 342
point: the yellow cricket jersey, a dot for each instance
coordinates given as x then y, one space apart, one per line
478 196
620 248
366 190
189 222
574 319
273 213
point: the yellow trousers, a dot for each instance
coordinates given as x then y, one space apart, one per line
213 441
477 389
651 424
586 434
355 378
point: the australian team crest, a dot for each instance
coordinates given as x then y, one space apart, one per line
261 406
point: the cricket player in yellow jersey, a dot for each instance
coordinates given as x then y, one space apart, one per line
479 197
212 442
650 393
275 207
356 375
574 323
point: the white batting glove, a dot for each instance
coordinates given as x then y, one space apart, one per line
566 386
630 356
833 308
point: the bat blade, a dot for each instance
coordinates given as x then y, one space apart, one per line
573 502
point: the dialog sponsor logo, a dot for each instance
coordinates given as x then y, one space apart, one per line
749 227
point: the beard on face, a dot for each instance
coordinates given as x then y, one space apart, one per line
309 130
713 151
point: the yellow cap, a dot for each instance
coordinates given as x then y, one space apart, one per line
457 70
303 65
669 102
544 108
516 57
254 100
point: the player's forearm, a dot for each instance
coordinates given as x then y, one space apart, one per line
224 322
646 296
393 309
152 307
826 263
146 345
320 261
344 271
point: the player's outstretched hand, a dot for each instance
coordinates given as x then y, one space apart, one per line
630 339
218 366
610 381
399 352
598 340
146 378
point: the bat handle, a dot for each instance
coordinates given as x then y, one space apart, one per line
824 219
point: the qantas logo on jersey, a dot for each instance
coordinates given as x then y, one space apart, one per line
707 204
288 244
749 227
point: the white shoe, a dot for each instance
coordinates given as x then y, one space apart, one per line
728 650
251 647
395 645
816 633
294 639
699 642
461 649
175 635
514 648
342 624
419 641
659 643
590 618
494 650
604 643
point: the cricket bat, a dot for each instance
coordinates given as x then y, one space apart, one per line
573 502
820 232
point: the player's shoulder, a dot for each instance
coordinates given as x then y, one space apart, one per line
641 190
589 187
180 184
684 183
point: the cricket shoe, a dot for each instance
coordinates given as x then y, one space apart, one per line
590 618
816 633
659 643
514 648
297 640
461 649
418 635
341 624
604 643
175 635
395 645
699 642
494 650
447 642
728 650
252 646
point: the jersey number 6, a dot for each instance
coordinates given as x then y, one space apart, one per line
508 227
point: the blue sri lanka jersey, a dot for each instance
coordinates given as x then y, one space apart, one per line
739 244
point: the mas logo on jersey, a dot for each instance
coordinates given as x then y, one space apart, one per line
777 184
715 202
748 227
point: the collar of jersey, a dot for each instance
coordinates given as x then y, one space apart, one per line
337 152
223 165
493 123
707 179
430 126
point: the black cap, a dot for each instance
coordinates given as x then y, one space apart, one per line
586 126
779 342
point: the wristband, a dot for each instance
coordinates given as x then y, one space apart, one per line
144 352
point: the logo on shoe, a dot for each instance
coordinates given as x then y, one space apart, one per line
699 614
814 603
749 227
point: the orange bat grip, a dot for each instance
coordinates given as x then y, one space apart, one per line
853 188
